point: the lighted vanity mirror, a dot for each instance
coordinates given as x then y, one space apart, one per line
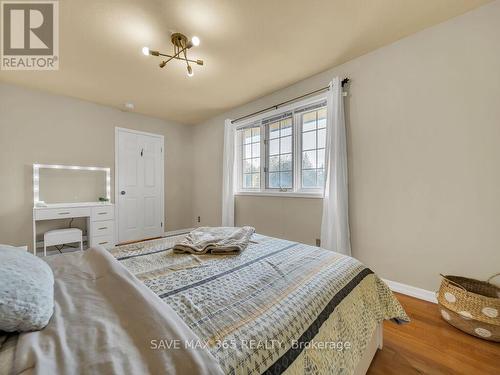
69 184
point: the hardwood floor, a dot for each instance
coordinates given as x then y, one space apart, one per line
429 345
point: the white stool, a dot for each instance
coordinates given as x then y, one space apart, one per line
60 237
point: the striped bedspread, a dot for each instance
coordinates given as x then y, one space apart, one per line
278 307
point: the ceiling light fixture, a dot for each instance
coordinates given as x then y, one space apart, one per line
181 45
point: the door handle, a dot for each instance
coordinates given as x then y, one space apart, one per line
122 192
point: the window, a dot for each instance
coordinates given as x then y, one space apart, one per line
279 155
284 153
251 157
313 132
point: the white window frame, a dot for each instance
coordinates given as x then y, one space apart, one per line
297 190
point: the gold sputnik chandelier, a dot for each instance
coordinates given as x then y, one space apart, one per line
181 45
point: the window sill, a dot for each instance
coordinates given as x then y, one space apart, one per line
280 194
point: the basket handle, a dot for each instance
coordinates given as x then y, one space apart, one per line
454 283
492 277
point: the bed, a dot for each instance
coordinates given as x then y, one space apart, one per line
278 307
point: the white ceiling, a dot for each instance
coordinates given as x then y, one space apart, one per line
250 48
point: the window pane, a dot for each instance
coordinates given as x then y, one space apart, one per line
274 147
255 150
321 178
280 154
321 159
286 180
255 135
256 165
286 127
309 159
274 163
247 136
246 166
321 138
286 145
286 162
274 180
322 118
247 180
247 152
313 148
274 130
309 121
256 180
250 157
309 140
309 178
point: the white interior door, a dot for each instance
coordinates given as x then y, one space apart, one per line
152 186
139 171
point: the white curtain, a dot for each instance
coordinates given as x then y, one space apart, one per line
228 175
335 221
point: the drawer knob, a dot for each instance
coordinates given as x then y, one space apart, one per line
103 243
64 213
102 228
101 213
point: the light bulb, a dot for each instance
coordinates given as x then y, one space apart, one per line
145 51
190 71
195 40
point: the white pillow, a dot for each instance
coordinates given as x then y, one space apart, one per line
26 291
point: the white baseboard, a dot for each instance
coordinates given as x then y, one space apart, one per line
412 291
177 232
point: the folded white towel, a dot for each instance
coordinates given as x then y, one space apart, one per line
215 240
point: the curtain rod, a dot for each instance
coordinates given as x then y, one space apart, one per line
276 106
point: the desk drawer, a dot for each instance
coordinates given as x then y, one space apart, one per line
102 228
103 213
106 241
61 213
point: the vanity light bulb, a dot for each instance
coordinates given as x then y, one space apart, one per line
145 51
195 40
190 71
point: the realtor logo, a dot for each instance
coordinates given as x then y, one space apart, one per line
30 35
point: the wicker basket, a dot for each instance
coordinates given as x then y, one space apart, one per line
472 306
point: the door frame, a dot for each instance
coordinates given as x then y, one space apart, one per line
117 174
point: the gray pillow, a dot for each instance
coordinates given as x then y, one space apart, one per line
26 291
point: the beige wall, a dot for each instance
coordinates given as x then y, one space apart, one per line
44 128
424 156
293 219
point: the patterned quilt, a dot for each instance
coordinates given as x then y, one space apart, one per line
278 307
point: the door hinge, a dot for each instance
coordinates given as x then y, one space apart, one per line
161 224
265 169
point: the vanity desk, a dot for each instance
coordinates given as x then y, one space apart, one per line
100 220
100 215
